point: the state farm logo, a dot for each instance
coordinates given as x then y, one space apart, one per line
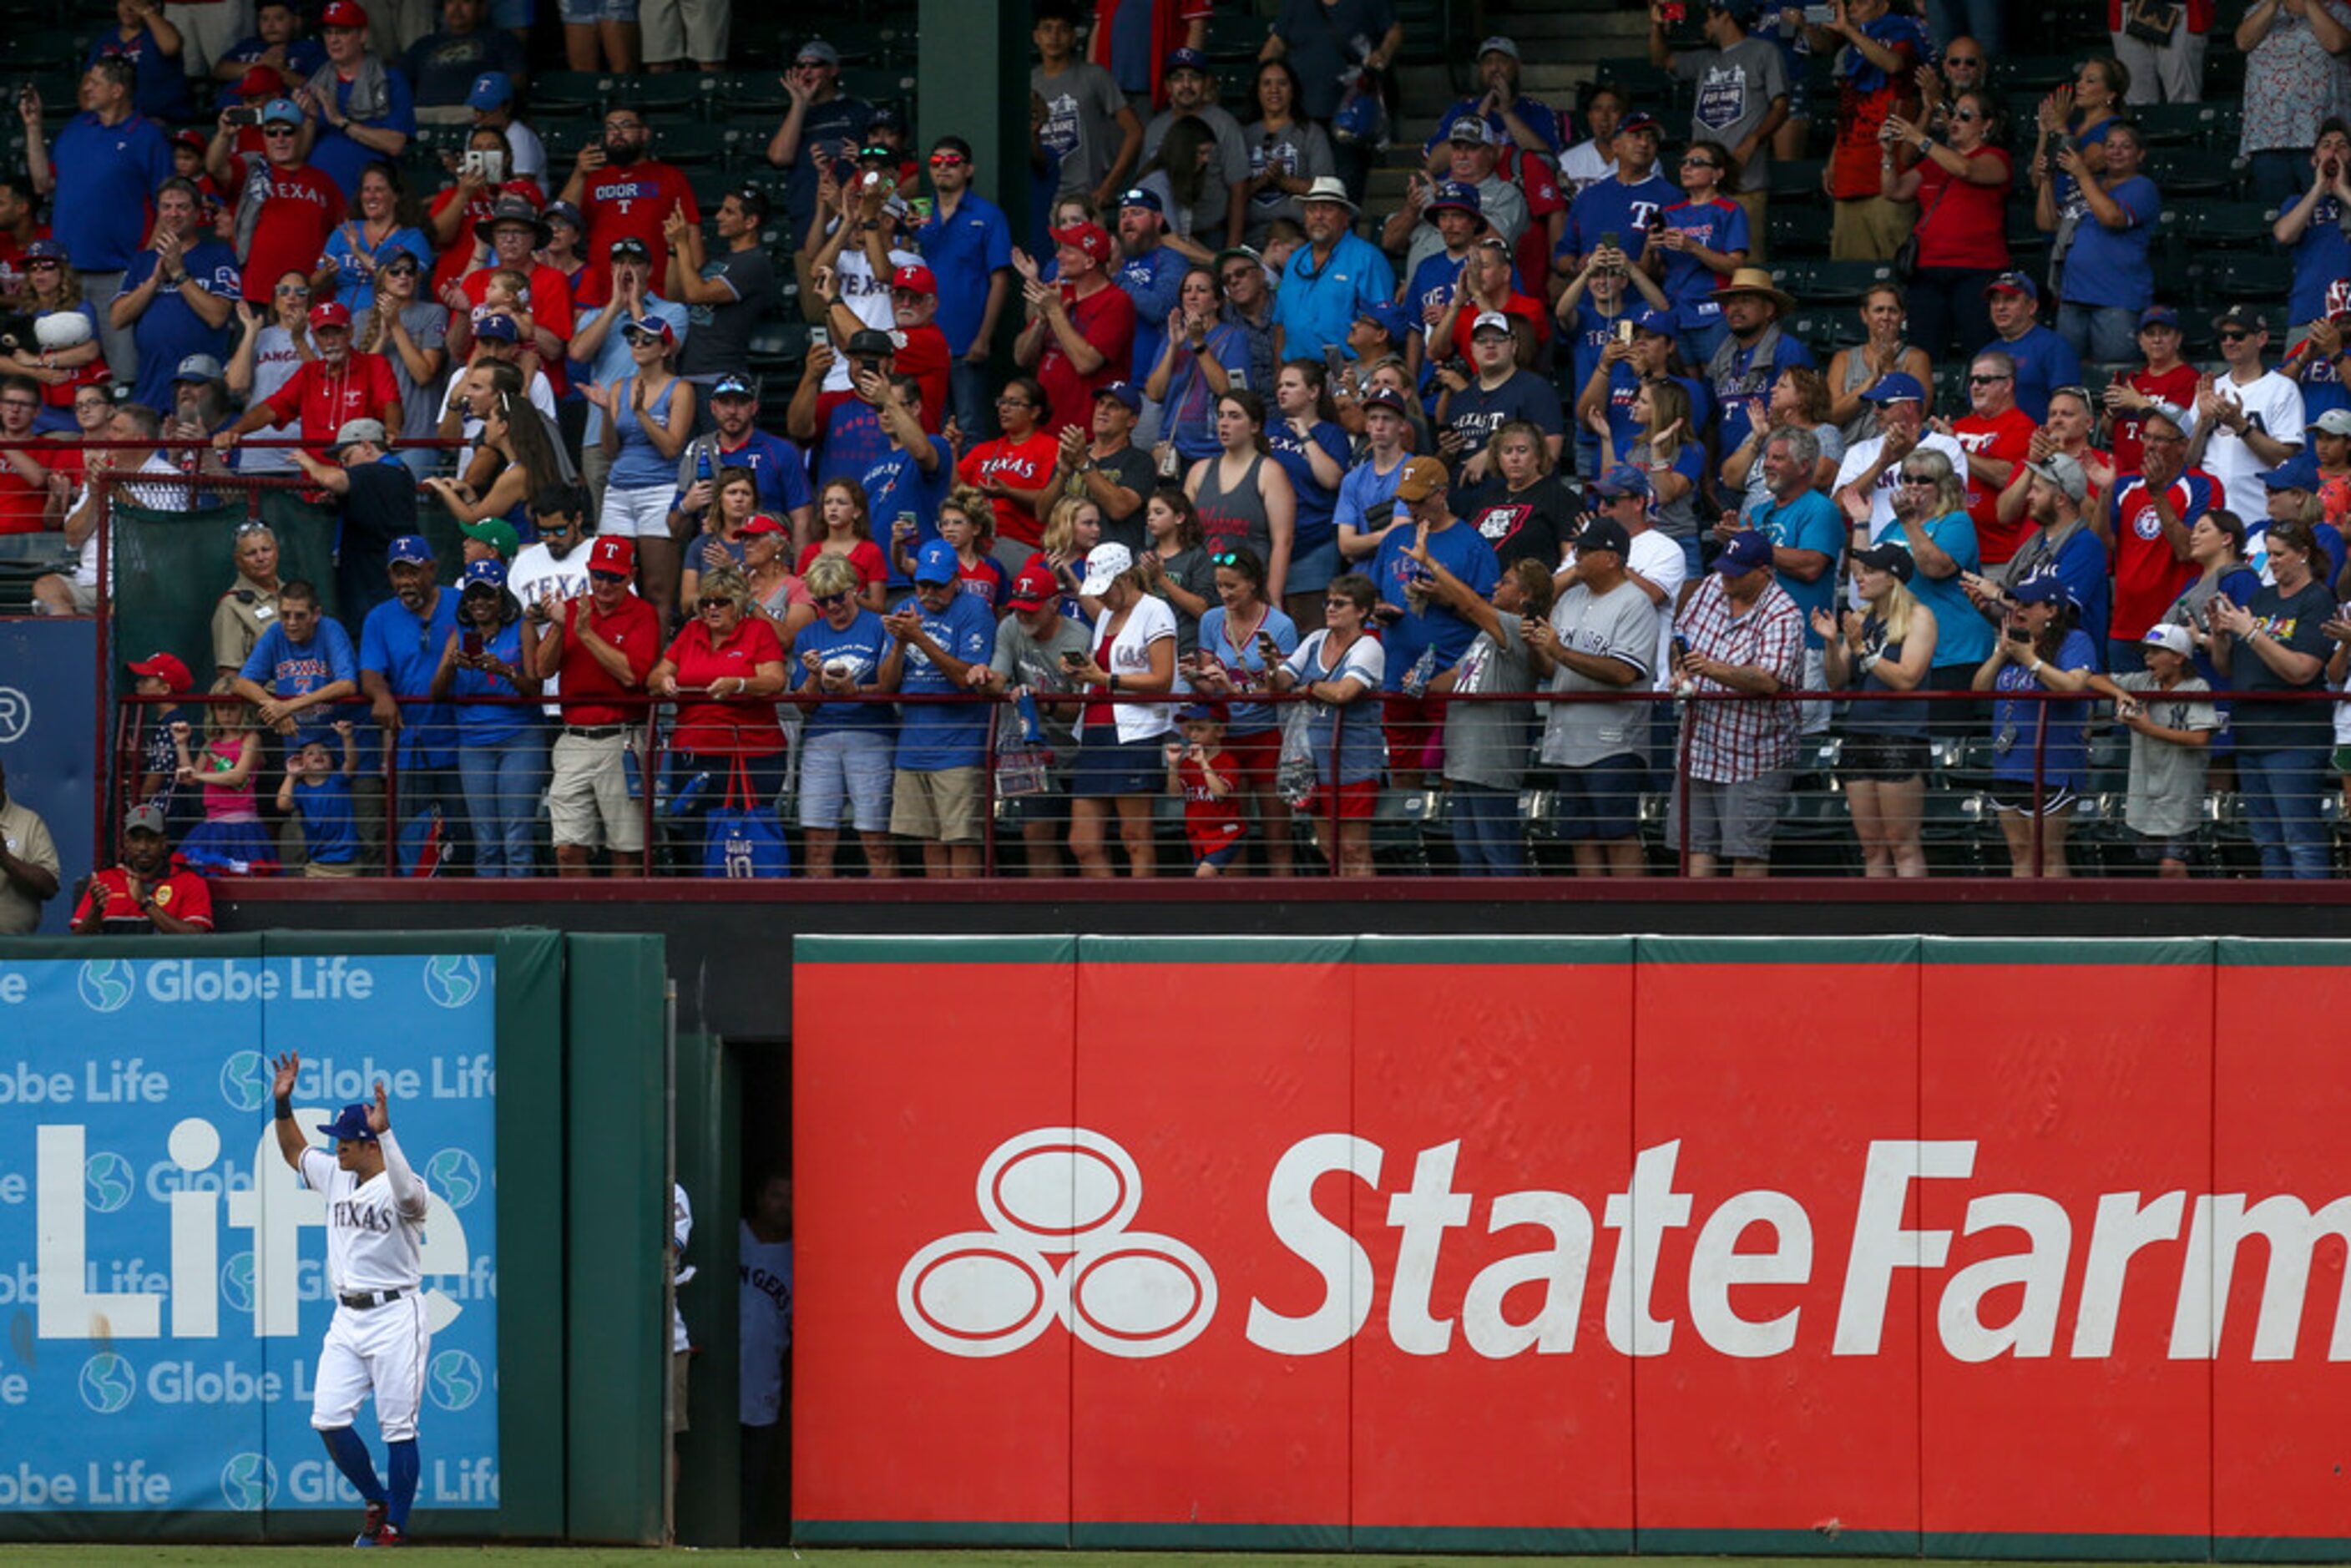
1067 1193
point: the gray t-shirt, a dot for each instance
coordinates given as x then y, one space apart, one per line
718 337
1620 625
1081 107
1228 166
1734 90
2166 779
1023 660
1128 468
1301 149
428 328
1486 742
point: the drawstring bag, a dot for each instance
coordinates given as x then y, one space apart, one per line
746 840
1295 778
1024 763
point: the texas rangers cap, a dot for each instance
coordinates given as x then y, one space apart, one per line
914 280
342 14
354 431
146 819
259 82
281 111
937 565
1491 321
1126 393
491 89
1656 323
167 668
491 574
1622 481
1470 131
350 1123
2012 283
1422 477
2158 316
47 250
761 523
614 555
413 548
497 327
1091 238
1389 317
1034 589
1895 388
1745 551
1455 196
2172 639
1204 713
652 327
1640 119
333 313
2064 472
198 368
1185 59
1142 196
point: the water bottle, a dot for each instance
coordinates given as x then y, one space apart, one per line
1423 671
1032 728
701 462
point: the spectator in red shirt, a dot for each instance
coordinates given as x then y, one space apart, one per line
601 648
2165 384
923 352
453 216
622 193
1015 471
1878 57
515 231
286 208
19 227
724 669
1995 433
327 391
24 499
147 892
1081 332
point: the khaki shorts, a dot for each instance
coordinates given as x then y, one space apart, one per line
679 1361
1870 228
943 807
319 868
587 795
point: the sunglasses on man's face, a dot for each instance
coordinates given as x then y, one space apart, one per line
2234 335
1986 381
278 131
946 160
607 577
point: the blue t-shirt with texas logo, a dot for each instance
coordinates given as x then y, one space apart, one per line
860 645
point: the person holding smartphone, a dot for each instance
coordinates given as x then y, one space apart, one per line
2041 755
501 746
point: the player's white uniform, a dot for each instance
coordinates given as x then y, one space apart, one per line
380 1334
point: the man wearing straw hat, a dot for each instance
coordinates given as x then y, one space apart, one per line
1750 358
1331 279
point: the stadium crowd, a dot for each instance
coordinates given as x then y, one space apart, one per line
1276 505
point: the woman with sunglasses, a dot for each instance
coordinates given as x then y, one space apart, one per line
724 669
54 290
1120 769
1704 240
2279 643
843 529
1244 498
1931 521
1338 666
721 542
1243 638
1015 471
1886 645
648 417
501 746
1885 351
411 334
1196 367
2041 759
383 220
511 429
1307 441
846 746
269 350
1287 154
1961 188
778 594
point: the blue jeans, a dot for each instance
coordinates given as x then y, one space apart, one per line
2125 655
2281 174
1979 19
971 400
2106 334
503 780
1486 833
2281 786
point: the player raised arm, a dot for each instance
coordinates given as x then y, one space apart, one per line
407 1187
291 1140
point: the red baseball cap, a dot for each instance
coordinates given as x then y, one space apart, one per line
167 668
1089 237
761 523
333 313
914 280
614 555
342 14
1034 589
260 82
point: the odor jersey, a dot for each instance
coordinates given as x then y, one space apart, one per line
373 1233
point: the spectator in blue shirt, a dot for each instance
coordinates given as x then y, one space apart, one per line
146 37
1516 120
301 666
2106 278
277 45
845 747
1424 636
358 108
1152 272
938 639
2312 227
100 179
501 746
966 242
177 294
1330 279
1807 533
2044 361
399 652
1629 207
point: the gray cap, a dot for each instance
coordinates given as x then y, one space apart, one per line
358 430
148 817
199 368
2065 473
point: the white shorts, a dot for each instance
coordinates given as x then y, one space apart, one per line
642 514
374 1348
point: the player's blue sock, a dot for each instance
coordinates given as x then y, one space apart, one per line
404 1466
351 1457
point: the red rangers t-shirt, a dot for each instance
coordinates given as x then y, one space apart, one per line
623 203
922 353
2003 438
328 397
452 263
2176 386
1025 467
2149 573
1105 319
300 208
1210 824
587 688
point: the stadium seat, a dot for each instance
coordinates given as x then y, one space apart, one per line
555 94
2257 278
2230 225
687 143
1797 180
1846 282
752 92
2193 172
2036 74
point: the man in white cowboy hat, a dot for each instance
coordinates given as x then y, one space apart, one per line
1330 279
1749 360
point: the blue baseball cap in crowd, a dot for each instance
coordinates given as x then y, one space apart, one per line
488 573
413 548
350 1126
1126 393
732 385
2299 472
1183 60
1390 317
936 563
1142 196
1747 550
497 327
1458 196
2014 283
1659 323
491 89
281 111
1204 712
1895 388
1623 480
2042 588
2158 316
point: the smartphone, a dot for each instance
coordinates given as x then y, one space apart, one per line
490 165
1820 16
1334 360
819 337
470 642
2018 634
238 114
1611 240
1681 646
1072 661
1625 330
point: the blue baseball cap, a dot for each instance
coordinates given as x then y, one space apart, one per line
1747 550
2013 282
281 111
1662 323
413 548
1142 196
2299 472
1126 393
2158 316
497 327
492 573
1184 60
1391 317
732 385
1623 480
937 564
1895 388
491 89
1458 196
2040 587
350 1126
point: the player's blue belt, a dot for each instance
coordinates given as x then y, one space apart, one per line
364 1299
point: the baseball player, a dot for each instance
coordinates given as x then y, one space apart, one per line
375 1219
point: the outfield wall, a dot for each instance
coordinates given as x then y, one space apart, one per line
1973 1247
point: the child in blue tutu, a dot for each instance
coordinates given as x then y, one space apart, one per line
230 840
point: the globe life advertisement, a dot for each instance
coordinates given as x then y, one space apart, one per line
162 1269
1682 1245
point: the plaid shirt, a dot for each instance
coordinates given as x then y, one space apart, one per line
1737 743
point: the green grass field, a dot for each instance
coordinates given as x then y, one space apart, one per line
591 1557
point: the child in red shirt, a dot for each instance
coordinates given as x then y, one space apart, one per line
1203 772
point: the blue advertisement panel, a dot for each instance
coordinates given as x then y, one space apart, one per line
164 1270
49 717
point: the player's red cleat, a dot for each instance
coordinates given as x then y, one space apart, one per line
388 1535
374 1527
